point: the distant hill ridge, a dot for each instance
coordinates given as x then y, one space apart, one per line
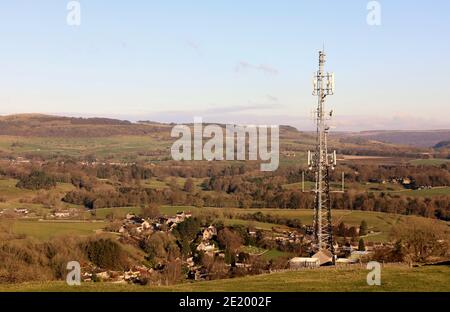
41 125
417 138
443 144
291 139
57 126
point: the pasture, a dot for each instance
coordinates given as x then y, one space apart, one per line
430 162
351 279
45 230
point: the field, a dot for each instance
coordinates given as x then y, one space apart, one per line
14 197
393 278
375 188
430 162
113 148
257 225
379 223
47 229
435 191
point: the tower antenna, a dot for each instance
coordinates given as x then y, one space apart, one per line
321 162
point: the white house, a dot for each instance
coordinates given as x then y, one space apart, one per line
62 214
206 247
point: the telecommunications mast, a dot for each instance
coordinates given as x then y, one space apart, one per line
321 162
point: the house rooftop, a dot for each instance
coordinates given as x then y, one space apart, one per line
324 257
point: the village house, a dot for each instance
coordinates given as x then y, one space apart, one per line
181 216
406 181
178 218
209 233
206 247
140 225
133 219
21 211
325 257
62 214
145 226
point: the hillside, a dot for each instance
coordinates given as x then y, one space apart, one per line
394 278
38 125
442 145
37 134
427 138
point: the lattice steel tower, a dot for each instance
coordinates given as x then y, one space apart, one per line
320 161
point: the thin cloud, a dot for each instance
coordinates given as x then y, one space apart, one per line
266 69
272 98
194 46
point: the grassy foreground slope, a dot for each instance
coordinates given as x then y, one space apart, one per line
393 278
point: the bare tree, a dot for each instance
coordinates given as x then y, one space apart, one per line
229 239
151 211
422 238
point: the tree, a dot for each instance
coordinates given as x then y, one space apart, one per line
398 252
151 211
173 185
189 185
422 238
216 267
229 240
363 228
160 248
36 180
361 245
187 229
341 229
106 253
352 232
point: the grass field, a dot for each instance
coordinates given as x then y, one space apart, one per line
113 147
430 162
393 278
14 197
436 191
274 253
47 229
376 188
258 225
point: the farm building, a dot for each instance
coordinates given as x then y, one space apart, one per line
303 262
324 257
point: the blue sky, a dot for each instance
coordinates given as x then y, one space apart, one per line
228 61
